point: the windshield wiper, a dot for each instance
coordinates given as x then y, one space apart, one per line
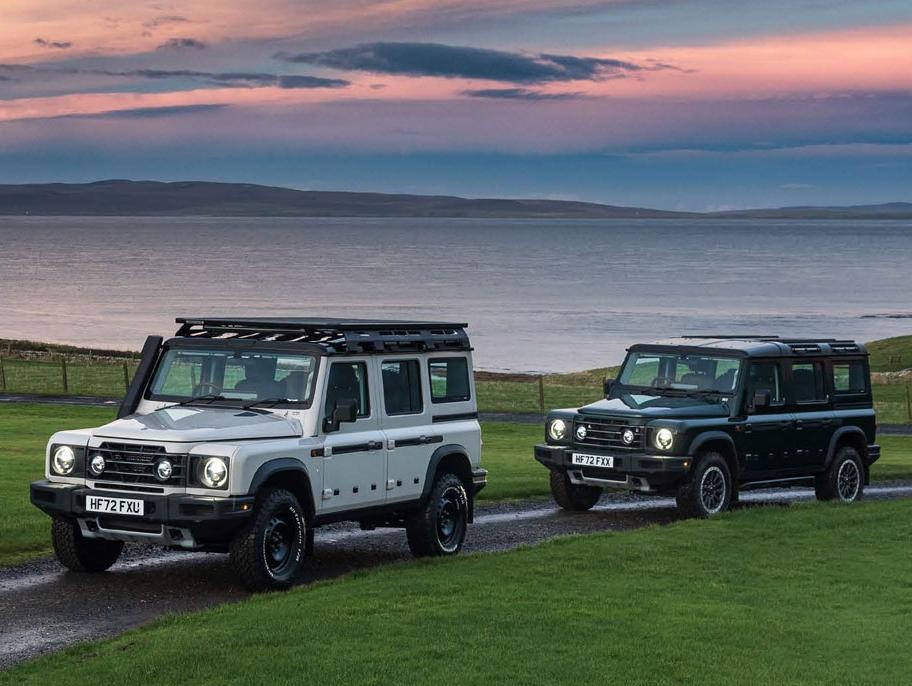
272 402
211 397
707 394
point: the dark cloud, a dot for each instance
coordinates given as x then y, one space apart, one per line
155 22
519 94
448 61
55 44
148 112
182 44
295 81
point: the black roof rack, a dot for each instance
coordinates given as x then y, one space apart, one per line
333 335
798 346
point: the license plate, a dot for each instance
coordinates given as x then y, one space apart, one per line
584 460
125 506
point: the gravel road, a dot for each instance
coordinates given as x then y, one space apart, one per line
44 608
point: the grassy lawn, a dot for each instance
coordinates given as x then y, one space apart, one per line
805 594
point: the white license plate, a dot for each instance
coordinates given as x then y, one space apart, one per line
125 506
584 460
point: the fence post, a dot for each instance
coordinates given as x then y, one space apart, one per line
541 394
909 402
63 375
126 377
2 376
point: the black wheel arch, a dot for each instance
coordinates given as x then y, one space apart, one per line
848 435
290 474
454 458
720 442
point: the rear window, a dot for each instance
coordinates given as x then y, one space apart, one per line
849 377
449 380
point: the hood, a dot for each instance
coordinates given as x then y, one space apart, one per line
657 407
199 425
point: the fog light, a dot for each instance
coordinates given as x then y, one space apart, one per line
97 465
163 470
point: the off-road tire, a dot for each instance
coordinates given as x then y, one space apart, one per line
81 554
570 496
709 491
844 478
438 527
268 554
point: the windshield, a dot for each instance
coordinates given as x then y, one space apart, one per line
234 375
675 371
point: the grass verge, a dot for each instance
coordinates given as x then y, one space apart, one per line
806 594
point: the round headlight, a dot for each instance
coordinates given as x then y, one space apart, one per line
163 470
664 438
64 460
97 465
214 472
557 429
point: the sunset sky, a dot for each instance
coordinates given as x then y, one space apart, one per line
680 104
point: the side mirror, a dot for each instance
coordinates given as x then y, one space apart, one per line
607 385
344 411
762 399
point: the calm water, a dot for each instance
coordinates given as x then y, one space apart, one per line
538 294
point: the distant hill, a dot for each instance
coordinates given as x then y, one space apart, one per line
201 198
151 198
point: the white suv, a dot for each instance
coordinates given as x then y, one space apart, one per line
243 435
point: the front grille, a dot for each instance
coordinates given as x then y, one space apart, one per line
134 463
607 432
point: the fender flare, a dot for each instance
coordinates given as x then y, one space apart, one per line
838 435
283 464
434 462
702 439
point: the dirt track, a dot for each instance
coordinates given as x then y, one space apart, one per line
44 609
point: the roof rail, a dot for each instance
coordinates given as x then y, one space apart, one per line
333 335
733 337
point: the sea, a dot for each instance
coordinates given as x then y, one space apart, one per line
538 295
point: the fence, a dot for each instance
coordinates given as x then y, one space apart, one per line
63 375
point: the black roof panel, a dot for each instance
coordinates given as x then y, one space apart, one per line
762 346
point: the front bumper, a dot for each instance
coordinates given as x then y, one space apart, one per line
188 521
639 471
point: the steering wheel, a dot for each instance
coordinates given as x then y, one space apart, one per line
208 384
662 382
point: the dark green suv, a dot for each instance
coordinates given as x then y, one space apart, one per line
703 418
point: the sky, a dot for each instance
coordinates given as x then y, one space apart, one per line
673 104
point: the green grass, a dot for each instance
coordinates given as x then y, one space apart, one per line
807 594
891 354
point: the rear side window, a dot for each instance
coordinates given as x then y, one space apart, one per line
849 377
807 382
401 387
449 379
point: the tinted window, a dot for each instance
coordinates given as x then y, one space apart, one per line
807 382
401 387
762 377
347 382
449 380
849 377
681 371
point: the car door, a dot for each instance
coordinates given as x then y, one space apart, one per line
762 439
809 400
411 437
354 460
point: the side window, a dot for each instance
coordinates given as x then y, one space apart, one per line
348 381
849 377
449 379
401 387
807 382
764 376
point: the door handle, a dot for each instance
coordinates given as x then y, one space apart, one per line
374 445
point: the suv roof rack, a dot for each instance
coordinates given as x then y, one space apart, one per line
795 345
333 335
